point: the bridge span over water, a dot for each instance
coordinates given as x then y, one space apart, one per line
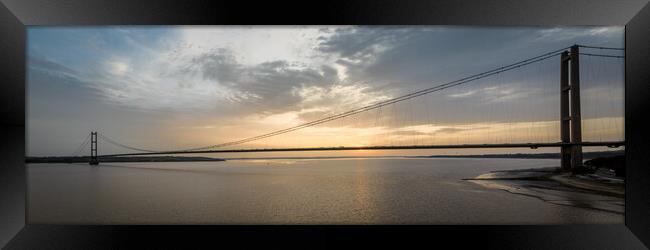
569 120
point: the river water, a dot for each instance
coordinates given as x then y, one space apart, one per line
315 191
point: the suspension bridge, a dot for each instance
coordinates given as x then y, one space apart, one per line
418 120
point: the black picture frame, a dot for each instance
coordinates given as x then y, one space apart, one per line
16 14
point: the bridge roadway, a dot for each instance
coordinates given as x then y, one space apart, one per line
507 145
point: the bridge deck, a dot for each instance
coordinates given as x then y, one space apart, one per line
459 146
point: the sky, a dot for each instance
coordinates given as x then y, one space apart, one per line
178 87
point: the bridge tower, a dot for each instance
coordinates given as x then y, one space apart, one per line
570 120
93 149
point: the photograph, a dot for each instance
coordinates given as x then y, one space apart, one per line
401 124
325 125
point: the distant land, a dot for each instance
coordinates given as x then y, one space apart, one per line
585 155
82 159
68 159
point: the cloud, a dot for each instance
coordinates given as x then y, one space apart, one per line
201 80
50 67
200 69
270 84
463 94
453 130
354 44
509 92
407 133
278 86
573 33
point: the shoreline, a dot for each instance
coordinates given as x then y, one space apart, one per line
596 191
85 159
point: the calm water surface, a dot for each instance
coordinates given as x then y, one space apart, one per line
320 191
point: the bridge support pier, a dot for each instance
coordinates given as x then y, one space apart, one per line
565 116
576 120
93 149
570 120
